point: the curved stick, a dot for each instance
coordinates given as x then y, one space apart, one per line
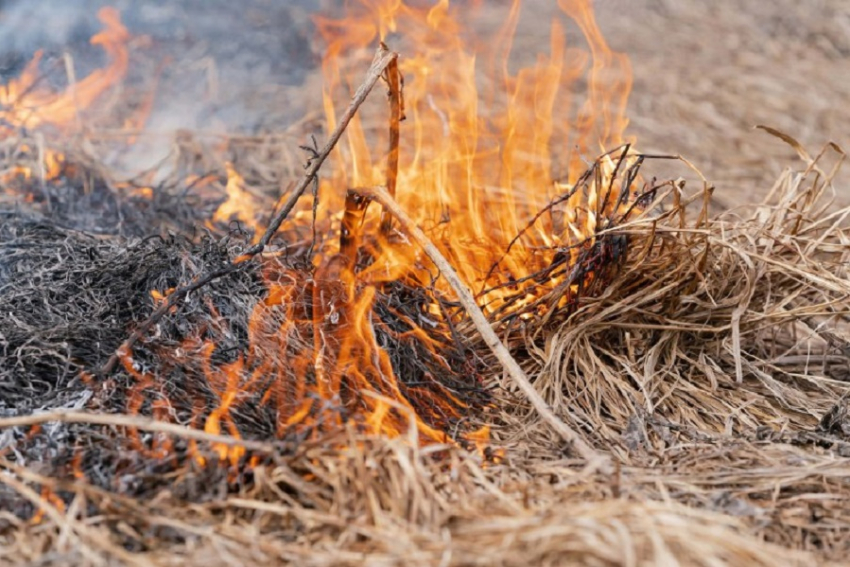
510 365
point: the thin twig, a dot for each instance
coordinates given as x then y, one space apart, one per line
381 195
383 58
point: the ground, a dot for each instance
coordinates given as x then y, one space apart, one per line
706 73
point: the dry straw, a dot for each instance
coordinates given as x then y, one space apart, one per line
713 369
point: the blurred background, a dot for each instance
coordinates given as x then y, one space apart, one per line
707 72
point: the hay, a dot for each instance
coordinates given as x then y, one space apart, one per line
386 502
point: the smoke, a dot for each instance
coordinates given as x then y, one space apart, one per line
27 26
225 67
242 48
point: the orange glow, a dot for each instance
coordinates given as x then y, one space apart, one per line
48 166
480 438
77 466
160 298
486 147
53 162
144 192
27 102
228 389
50 499
240 204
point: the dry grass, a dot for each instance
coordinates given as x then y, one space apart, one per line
713 369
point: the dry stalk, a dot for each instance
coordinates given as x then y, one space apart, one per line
134 421
492 340
85 539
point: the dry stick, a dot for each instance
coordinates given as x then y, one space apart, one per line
383 59
394 79
381 195
134 421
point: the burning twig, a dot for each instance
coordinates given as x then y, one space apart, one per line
466 299
352 221
383 59
395 81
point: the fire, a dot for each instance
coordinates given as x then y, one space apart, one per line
240 204
228 389
50 499
28 102
477 165
487 163
42 163
476 169
481 167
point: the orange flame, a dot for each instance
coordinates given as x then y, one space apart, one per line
476 166
484 150
50 499
28 103
240 204
479 164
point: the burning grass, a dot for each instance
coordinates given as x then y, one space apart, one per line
320 391
745 447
